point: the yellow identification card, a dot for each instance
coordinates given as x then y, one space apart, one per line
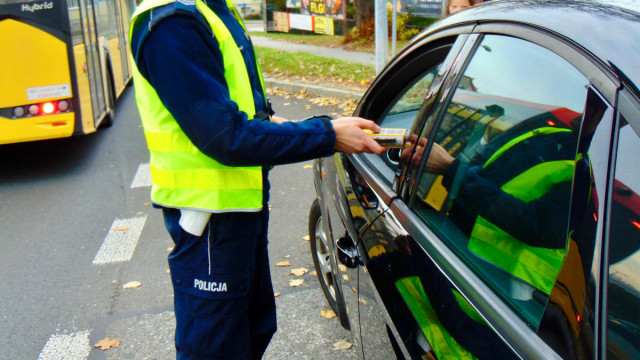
391 138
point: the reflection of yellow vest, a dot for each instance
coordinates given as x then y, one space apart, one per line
535 265
183 176
441 342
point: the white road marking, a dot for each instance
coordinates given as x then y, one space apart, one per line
67 346
121 241
143 177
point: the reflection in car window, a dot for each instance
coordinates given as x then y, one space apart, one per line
497 181
403 113
623 310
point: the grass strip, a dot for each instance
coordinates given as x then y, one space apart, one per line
282 63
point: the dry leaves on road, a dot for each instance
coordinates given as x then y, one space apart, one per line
283 263
132 285
342 345
329 314
296 282
308 167
106 344
299 271
342 268
314 273
306 238
120 228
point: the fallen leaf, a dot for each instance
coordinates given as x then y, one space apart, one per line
306 238
308 166
342 345
168 271
132 284
362 300
147 204
106 344
287 256
314 273
270 207
276 294
299 271
345 277
283 263
329 314
120 228
296 282
170 249
342 268
140 213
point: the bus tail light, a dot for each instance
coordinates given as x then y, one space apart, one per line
48 108
63 105
18 112
34 109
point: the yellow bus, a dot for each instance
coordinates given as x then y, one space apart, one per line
63 65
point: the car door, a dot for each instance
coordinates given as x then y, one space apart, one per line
495 208
621 335
369 179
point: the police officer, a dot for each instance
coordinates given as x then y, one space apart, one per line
202 102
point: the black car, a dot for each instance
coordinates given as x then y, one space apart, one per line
508 226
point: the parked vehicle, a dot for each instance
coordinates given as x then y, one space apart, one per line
509 224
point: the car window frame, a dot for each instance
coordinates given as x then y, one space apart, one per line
508 324
368 164
627 104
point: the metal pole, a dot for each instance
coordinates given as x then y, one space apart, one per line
344 18
381 34
394 27
264 15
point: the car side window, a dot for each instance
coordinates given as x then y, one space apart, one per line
623 310
496 184
404 111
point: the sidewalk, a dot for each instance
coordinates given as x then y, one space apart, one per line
326 90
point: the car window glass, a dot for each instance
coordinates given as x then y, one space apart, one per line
568 316
404 110
497 182
623 310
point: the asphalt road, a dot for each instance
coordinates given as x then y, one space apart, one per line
76 226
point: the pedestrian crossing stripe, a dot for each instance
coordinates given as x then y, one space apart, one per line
67 346
142 177
121 241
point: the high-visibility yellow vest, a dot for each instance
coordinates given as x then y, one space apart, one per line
536 265
182 176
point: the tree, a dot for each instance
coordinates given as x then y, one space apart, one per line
364 12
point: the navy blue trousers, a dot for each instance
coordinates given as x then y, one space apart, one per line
223 297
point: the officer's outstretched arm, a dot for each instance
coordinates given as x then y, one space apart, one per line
351 138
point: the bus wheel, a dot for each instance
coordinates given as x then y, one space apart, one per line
111 102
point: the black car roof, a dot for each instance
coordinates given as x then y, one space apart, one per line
610 30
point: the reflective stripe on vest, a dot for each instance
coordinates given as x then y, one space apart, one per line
536 265
182 176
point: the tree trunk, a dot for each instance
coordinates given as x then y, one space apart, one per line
364 11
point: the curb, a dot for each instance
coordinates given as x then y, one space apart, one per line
296 87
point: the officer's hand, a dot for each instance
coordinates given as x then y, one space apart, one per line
278 119
351 138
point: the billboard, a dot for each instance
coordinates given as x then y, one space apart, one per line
422 7
331 8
